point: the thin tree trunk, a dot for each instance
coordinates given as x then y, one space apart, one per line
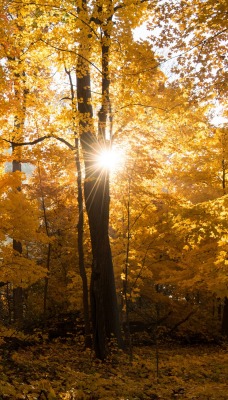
80 225
82 270
20 93
225 308
17 248
224 161
46 279
46 283
224 176
125 281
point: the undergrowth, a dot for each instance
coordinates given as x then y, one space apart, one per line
57 370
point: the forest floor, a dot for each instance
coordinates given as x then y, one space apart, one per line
57 370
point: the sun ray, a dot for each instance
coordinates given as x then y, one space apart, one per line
109 159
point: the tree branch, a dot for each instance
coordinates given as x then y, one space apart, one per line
122 5
202 42
143 105
182 321
41 139
72 51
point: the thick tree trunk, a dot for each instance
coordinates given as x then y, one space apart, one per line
225 318
104 307
18 305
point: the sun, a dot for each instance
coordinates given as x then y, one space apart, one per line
109 159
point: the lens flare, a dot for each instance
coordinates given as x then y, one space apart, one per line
109 159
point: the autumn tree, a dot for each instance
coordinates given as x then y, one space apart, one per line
18 102
118 94
195 34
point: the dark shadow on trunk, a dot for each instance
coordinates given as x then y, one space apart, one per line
225 318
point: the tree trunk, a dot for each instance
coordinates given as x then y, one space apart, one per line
46 279
17 247
104 307
80 226
46 283
225 308
225 318
18 305
81 250
125 280
20 93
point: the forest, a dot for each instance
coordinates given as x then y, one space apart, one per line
113 199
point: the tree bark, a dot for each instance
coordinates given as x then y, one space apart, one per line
104 307
225 318
46 283
225 308
17 248
85 292
20 93
80 225
46 279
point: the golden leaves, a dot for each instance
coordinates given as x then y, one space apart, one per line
18 269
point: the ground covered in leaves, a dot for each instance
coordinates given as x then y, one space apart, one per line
57 370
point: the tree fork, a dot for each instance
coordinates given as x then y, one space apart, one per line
104 307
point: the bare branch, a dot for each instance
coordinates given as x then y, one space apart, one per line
143 105
122 5
182 321
65 142
41 139
201 43
72 51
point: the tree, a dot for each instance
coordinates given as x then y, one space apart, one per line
13 48
117 94
196 35
104 306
